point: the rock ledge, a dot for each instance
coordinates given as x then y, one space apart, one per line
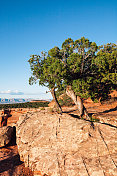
60 145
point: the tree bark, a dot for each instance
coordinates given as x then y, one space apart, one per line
78 101
55 99
82 64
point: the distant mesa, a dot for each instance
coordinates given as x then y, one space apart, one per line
13 100
40 100
21 100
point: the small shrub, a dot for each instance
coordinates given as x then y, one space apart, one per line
42 108
94 119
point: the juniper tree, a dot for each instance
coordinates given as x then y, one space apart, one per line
81 67
79 55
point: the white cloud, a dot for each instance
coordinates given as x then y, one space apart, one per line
10 92
20 94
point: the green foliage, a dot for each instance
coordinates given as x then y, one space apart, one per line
48 70
24 105
94 119
85 47
91 70
42 109
81 87
66 101
105 64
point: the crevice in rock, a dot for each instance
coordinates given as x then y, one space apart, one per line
56 132
99 158
24 120
85 166
58 164
108 124
59 121
58 125
28 160
106 146
13 137
64 161
92 125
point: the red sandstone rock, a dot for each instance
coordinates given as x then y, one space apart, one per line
5 135
67 146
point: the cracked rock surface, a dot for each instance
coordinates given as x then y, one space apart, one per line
60 145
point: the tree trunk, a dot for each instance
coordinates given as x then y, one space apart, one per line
55 99
77 100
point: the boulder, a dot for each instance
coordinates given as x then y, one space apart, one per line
63 145
6 133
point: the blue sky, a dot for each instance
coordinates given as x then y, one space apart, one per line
31 26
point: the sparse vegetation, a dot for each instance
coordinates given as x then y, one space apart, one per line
94 119
66 101
42 109
24 105
51 110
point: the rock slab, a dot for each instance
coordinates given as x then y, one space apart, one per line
6 133
61 145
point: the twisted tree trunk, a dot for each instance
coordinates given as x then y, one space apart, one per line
78 101
55 99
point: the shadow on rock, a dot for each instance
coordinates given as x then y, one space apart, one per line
10 163
110 110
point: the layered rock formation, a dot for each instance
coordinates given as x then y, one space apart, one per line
61 145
